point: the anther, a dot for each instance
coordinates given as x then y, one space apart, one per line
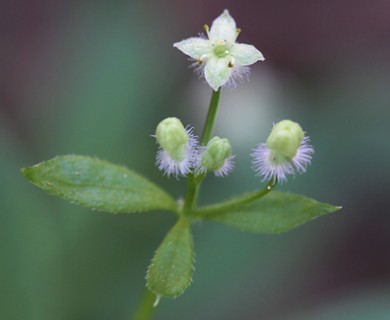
231 62
206 28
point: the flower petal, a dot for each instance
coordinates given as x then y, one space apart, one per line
245 54
217 72
194 47
224 28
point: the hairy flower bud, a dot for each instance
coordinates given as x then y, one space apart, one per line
285 151
173 138
178 147
284 140
216 156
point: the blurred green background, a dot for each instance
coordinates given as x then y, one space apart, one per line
95 78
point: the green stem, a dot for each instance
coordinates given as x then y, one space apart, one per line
194 182
234 202
146 307
209 124
191 193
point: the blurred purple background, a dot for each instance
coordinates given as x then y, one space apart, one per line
94 77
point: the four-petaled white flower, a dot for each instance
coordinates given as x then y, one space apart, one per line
221 58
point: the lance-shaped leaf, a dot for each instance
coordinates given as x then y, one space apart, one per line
274 213
98 185
170 272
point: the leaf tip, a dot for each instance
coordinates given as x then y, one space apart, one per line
334 208
26 172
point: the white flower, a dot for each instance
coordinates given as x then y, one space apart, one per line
221 58
286 151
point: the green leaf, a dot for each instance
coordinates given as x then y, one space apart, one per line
98 185
274 213
170 272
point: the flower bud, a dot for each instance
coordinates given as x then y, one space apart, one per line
173 138
178 152
217 157
285 151
284 140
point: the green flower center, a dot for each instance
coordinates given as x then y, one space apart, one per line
221 49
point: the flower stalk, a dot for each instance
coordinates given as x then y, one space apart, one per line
210 119
235 202
194 181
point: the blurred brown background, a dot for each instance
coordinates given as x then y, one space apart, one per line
95 78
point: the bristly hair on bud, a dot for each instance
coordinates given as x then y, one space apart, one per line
178 152
227 167
216 157
286 151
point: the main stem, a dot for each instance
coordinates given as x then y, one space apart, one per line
194 182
